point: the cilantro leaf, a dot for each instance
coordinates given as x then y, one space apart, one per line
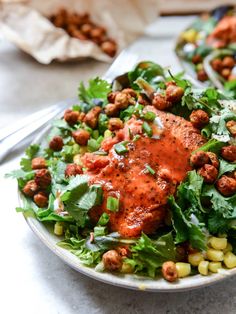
32 150
226 166
213 145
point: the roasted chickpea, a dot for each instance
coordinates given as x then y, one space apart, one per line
111 110
160 102
109 47
43 178
209 173
30 188
169 271
225 73
143 100
229 153
226 185
81 116
214 161
115 124
228 62
123 251
199 118
112 260
216 65
86 29
78 34
56 143
231 126
196 59
91 117
122 100
130 92
73 170
71 117
202 76
174 93
111 97
41 199
38 163
199 159
81 137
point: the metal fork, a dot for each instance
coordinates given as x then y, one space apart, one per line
11 137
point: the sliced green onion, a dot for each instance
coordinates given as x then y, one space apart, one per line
76 108
136 137
147 129
120 148
100 153
149 116
100 139
93 145
113 204
152 171
103 220
99 231
95 134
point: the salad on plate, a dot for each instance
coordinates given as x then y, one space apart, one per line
139 176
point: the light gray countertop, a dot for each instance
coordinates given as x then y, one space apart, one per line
33 280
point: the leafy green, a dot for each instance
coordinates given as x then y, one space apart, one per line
226 166
97 90
213 145
30 152
218 124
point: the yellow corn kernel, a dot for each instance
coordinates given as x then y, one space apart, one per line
83 150
218 243
230 260
214 266
190 35
195 258
77 159
107 134
228 248
203 268
126 268
183 269
58 229
215 255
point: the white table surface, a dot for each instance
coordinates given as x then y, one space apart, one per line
32 279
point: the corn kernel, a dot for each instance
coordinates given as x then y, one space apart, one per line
215 255
228 248
203 268
58 229
107 134
183 269
83 150
230 260
218 243
126 268
195 258
214 266
190 35
77 159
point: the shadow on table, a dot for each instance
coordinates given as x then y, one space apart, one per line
81 294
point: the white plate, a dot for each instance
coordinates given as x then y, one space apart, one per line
128 281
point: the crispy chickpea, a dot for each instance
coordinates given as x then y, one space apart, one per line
91 117
97 32
111 97
115 124
201 75
209 173
56 143
199 159
228 62
216 64
229 153
111 110
43 178
196 59
214 161
109 47
38 163
41 199
169 271
112 260
231 126
71 117
174 93
130 92
122 100
73 170
225 72
81 137
226 185
81 116
160 102
143 100
199 118
30 188
78 34
86 29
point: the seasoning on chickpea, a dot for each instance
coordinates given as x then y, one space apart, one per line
38 163
169 271
209 173
112 260
81 137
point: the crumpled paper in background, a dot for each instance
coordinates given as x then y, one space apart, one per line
25 24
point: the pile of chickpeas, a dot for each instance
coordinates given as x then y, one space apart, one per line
81 26
217 256
226 67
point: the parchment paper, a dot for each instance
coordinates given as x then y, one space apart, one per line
25 24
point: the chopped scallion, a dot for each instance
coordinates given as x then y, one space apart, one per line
147 129
103 220
149 116
112 204
150 169
136 137
120 148
99 231
93 145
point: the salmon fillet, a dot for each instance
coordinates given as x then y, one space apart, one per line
143 196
